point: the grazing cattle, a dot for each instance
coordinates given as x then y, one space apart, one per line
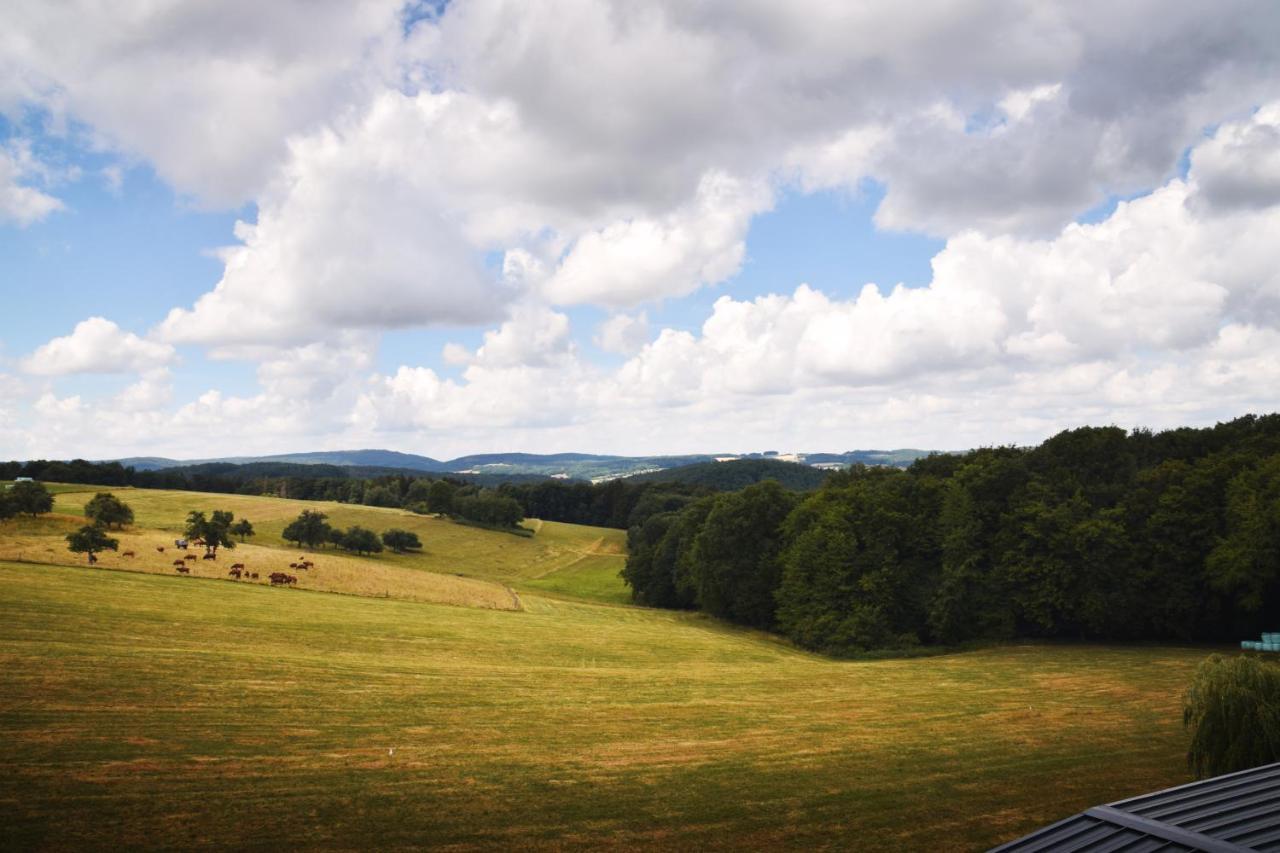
293 565
209 557
254 576
160 548
126 554
180 543
189 557
235 573
183 570
282 579
237 565
92 559
178 563
305 564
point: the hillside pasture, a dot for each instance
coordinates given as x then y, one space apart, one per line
448 548
158 712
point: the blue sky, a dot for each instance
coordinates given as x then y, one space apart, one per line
223 232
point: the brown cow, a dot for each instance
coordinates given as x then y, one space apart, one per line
237 565
254 575
183 570
209 557
126 554
189 557
235 573
160 548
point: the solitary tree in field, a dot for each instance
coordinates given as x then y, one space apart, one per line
401 540
242 528
1233 712
215 530
108 510
31 498
361 541
89 540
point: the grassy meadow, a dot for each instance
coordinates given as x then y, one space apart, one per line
154 711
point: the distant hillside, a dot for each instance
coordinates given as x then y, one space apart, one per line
738 473
897 458
569 466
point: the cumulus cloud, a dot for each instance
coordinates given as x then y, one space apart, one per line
638 260
623 334
207 92
1239 167
97 345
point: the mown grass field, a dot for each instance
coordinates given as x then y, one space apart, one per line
159 712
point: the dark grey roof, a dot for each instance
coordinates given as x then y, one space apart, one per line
1225 814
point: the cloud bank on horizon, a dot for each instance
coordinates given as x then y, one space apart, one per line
560 188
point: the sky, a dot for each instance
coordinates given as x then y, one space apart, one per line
236 228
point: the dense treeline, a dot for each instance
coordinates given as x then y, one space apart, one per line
617 503
1094 534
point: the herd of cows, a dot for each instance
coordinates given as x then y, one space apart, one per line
238 570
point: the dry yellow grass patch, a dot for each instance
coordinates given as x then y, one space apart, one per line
40 541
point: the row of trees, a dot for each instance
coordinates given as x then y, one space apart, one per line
618 503
311 529
1094 534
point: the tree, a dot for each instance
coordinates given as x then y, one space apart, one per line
361 540
380 496
31 498
309 529
242 528
8 509
736 554
89 540
440 497
1233 711
401 540
214 531
108 510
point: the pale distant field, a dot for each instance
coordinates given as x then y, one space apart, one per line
152 711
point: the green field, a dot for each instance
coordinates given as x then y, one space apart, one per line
154 711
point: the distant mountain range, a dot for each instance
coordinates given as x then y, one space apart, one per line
575 466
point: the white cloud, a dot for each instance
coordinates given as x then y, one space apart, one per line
1239 167
208 92
623 334
20 203
97 345
636 260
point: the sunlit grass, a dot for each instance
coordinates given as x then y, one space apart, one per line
161 712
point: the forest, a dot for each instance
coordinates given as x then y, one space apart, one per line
1097 533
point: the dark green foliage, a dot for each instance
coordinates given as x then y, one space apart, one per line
90 540
440 497
490 508
380 496
309 529
861 559
735 557
401 540
30 498
108 510
214 530
8 508
242 528
361 540
738 474
1095 534
1233 711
